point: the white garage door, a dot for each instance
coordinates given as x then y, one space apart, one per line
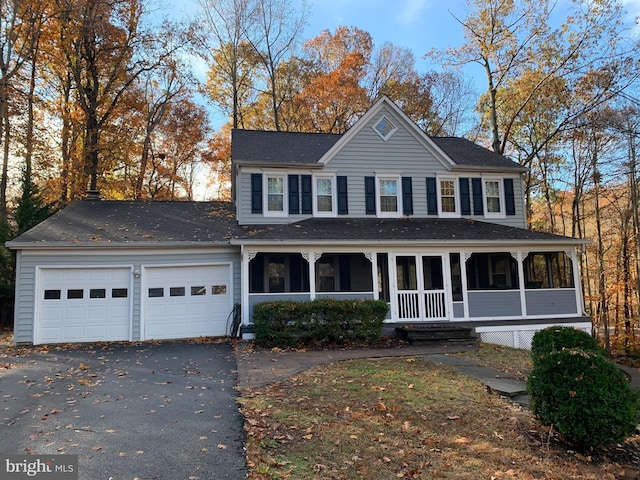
186 301
83 305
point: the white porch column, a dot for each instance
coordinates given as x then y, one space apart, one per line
393 287
520 256
312 257
373 258
577 284
246 256
464 257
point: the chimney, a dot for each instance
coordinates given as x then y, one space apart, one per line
92 195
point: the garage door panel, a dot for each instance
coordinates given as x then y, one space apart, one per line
193 310
76 305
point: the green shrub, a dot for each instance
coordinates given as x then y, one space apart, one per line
585 396
323 321
557 338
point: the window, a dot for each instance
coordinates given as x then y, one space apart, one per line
196 291
52 294
176 292
448 202
75 293
276 199
493 198
119 293
456 277
219 290
385 128
97 293
388 203
324 196
156 292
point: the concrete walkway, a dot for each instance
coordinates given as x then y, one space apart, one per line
257 368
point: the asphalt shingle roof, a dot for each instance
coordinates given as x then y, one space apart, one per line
290 148
104 223
280 147
399 230
469 154
101 223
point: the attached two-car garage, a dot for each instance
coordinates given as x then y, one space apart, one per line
97 303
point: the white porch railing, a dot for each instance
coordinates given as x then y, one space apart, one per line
419 306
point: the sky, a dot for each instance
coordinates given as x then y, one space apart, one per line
419 25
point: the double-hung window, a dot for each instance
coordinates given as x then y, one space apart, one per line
493 197
389 196
325 197
276 200
449 203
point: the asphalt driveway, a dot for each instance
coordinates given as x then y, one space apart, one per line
158 410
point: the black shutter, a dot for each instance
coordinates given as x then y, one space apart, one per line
478 203
407 196
509 197
294 194
465 198
432 196
343 197
307 195
256 193
370 195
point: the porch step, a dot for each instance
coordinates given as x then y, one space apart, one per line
435 333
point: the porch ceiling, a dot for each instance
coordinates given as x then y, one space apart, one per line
405 230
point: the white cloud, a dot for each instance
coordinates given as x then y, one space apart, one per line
410 11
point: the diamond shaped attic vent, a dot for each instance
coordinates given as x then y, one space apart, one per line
385 128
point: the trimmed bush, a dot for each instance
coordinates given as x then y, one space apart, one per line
585 396
556 338
323 321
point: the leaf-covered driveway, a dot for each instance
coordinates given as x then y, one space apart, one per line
157 410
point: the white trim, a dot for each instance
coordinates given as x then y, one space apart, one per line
398 180
390 133
500 182
456 196
334 195
265 195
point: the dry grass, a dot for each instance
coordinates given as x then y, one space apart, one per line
408 418
514 361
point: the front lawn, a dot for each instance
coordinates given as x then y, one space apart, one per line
409 418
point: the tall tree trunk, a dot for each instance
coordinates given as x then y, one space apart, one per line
602 309
633 186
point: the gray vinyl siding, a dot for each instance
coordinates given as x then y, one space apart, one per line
458 310
551 302
483 304
28 263
367 154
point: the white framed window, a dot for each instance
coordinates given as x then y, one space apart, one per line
388 201
448 199
493 197
385 128
275 198
324 198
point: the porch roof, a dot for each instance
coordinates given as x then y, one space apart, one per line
403 230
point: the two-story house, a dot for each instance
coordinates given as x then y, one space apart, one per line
434 226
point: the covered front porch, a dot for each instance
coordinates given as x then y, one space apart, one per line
422 284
